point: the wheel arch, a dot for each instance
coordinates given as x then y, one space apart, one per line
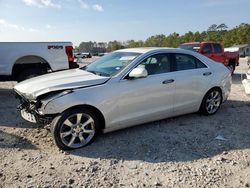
214 87
29 60
95 110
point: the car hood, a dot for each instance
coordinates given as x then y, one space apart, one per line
63 80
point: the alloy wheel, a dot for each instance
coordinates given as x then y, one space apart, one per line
213 102
77 130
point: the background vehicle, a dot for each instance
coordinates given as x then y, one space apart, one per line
82 55
101 54
214 51
22 60
122 89
242 49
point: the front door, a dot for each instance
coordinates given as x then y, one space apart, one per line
150 98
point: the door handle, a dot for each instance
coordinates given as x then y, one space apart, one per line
207 73
168 81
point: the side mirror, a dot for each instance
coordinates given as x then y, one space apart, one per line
138 72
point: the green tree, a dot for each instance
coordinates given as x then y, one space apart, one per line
237 35
221 27
134 44
114 45
212 27
156 41
217 33
86 46
172 40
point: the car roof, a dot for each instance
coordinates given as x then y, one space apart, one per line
144 49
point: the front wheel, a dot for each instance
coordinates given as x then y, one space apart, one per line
74 129
211 102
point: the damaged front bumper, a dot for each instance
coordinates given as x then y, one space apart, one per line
29 111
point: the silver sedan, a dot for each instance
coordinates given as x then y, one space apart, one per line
124 88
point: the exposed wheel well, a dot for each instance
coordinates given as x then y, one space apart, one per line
216 87
94 110
28 62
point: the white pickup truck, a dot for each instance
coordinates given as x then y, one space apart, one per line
23 60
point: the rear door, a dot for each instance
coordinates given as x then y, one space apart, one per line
191 82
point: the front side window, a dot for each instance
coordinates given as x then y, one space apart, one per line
111 64
157 64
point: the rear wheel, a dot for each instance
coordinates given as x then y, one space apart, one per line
231 65
29 73
211 102
74 129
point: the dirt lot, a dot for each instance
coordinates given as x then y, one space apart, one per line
177 152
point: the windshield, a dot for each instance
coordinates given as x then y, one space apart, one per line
111 64
192 47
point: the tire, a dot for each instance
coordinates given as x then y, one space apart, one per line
232 67
211 102
29 73
69 132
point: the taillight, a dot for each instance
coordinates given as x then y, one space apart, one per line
69 52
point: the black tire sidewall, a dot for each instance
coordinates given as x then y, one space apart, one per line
29 73
58 122
232 67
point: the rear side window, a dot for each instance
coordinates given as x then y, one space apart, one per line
187 62
200 65
184 62
207 49
217 48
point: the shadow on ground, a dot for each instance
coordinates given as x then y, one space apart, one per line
186 138
13 141
237 78
10 117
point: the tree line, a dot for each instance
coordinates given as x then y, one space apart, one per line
219 33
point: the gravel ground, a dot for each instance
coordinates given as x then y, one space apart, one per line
176 152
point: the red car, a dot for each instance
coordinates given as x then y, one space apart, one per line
214 51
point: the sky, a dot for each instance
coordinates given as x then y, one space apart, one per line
106 20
